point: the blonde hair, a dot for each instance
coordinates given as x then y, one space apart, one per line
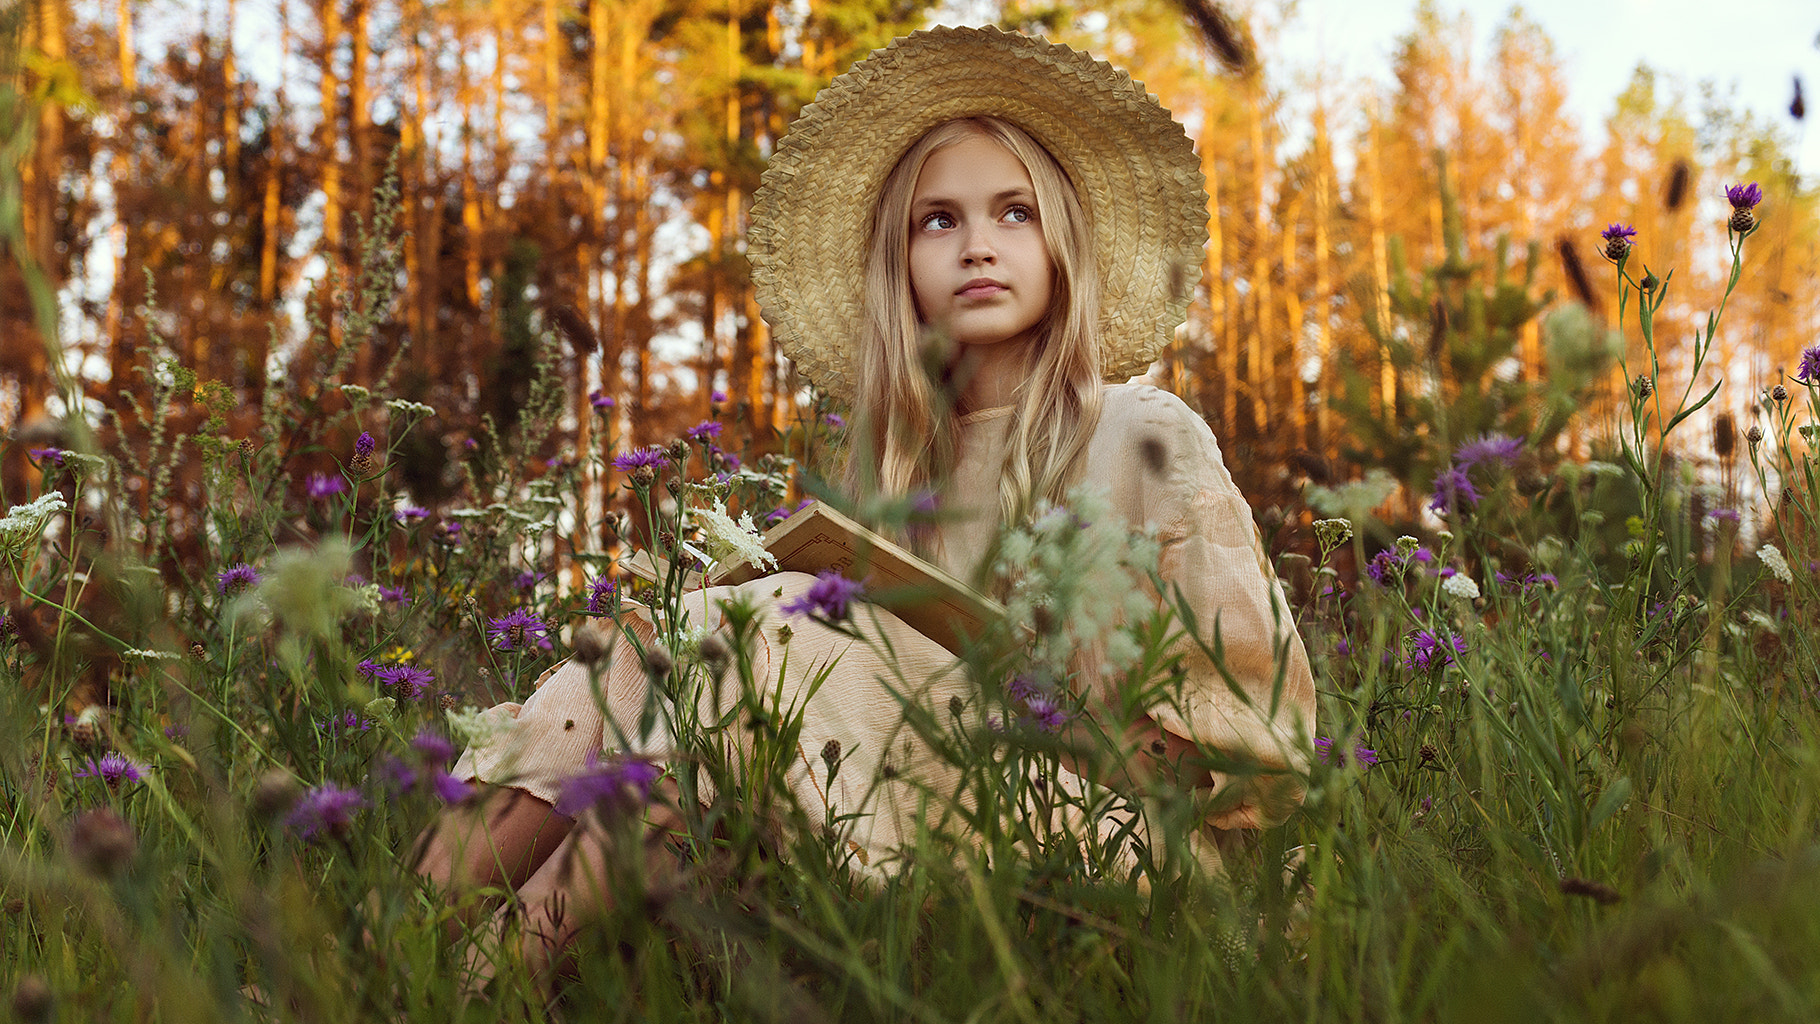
903 401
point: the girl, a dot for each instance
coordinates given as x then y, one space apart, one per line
1038 218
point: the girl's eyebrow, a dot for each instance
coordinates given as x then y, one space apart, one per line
1019 192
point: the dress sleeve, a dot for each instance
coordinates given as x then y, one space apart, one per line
1262 708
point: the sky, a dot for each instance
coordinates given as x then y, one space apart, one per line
1750 49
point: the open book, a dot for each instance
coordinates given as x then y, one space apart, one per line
932 601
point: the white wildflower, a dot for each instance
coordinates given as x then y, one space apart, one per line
1331 533
1461 586
401 405
732 541
474 727
382 707
141 654
23 523
355 393
1772 559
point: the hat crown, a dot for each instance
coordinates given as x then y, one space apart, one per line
1131 163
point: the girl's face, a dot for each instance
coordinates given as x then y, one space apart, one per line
979 267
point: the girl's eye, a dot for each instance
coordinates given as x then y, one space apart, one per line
1020 214
936 222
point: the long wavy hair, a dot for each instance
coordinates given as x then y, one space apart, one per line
907 434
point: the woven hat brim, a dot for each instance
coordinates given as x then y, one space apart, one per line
1131 162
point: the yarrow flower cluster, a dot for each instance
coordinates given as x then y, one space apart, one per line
1331 533
831 597
611 788
1771 557
1461 586
23 523
1334 755
326 809
517 630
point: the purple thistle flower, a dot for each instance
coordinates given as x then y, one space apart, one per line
1342 647
1528 581
327 808
516 630
1023 687
113 769
1809 373
346 722
54 456
324 486
448 788
600 400
410 513
648 457
1452 487
829 597
704 430
452 531
368 668
834 420
1487 448
612 787
1744 197
717 396
526 580
780 513
236 578
1614 232
1045 713
601 593
409 681
1324 746
364 445
434 748
394 595
1430 650
1385 568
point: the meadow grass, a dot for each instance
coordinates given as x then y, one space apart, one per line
1567 770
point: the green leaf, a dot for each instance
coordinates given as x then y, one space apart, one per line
1613 798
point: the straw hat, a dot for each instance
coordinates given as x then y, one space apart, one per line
1134 167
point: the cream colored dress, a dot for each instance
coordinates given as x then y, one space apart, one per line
1158 466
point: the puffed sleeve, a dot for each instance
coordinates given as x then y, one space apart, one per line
1172 479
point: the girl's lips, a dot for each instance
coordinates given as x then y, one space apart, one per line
980 289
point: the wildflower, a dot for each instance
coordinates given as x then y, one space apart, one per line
1779 394
1452 487
641 464
611 788
113 769
323 486
23 523
347 721
600 400
781 513
1385 568
101 841
1772 559
601 595
1809 373
433 747
1754 435
829 597
408 514
1617 240
1488 448
1461 586
409 681
834 420
395 595
717 396
236 578
368 668
1430 650
704 430
364 445
54 456
448 788
326 808
1324 747
1331 533
525 580
517 630
401 405
1744 199
731 541
1045 713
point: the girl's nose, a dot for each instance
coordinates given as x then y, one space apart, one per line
977 250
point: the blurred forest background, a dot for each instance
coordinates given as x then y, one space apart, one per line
1391 270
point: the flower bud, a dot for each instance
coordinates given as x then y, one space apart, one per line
715 654
658 662
32 1000
1649 282
274 793
101 842
591 643
1779 393
1644 385
1754 435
